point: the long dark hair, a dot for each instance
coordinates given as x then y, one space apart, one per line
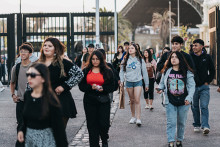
149 56
183 65
120 46
59 52
104 69
137 54
48 96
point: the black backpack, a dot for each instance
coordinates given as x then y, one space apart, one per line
17 68
115 76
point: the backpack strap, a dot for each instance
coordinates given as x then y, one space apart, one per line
17 69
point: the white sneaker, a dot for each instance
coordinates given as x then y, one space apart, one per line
133 120
147 107
196 129
2 89
138 122
206 131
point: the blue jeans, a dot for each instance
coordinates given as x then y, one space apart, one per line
176 115
201 101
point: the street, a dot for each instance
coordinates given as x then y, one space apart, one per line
152 133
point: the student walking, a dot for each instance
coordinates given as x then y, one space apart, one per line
79 58
91 48
118 58
134 67
42 125
63 75
151 66
177 43
97 84
19 81
204 75
178 84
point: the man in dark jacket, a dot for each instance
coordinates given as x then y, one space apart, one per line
177 43
204 75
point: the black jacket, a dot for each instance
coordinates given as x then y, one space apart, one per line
78 60
165 56
90 94
205 70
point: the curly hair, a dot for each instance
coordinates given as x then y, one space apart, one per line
137 54
183 64
59 52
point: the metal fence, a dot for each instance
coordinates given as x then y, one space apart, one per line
7 47
75 30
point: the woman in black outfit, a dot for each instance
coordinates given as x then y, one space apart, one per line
79 58
43 125
118 58
97 84
63 75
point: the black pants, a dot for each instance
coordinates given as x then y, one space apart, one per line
98 121
150 93
19 117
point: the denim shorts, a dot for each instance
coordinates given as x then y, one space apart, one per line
133 84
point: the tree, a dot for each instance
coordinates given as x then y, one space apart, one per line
187 37
161 22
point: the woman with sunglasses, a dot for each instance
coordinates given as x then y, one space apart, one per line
134 69
97 84
63 75
42 119
178 85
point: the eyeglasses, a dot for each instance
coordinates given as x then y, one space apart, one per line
33 75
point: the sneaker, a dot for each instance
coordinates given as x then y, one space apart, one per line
147 107
179 144
196 129
151 107
2 89
206 131
133 120
171 144
138 122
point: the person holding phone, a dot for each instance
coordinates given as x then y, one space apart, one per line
97 84
178 85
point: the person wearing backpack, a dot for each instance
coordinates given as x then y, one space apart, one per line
151 66
19 81
134 69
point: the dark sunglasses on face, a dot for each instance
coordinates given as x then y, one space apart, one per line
33 75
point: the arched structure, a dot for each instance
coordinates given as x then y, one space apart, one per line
139 12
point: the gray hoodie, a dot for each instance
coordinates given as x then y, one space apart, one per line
133 71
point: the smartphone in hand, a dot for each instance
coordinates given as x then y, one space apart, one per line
158 89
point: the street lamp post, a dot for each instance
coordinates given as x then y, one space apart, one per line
97 24
116 29
170 20
178 13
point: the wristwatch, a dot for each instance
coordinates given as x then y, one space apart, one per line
12 95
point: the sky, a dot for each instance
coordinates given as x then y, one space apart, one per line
43 6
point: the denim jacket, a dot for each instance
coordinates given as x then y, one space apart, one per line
190 85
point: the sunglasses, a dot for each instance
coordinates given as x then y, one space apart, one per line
33 75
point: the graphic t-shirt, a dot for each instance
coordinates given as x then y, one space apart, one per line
177 91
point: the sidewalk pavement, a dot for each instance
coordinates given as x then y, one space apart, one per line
152 133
